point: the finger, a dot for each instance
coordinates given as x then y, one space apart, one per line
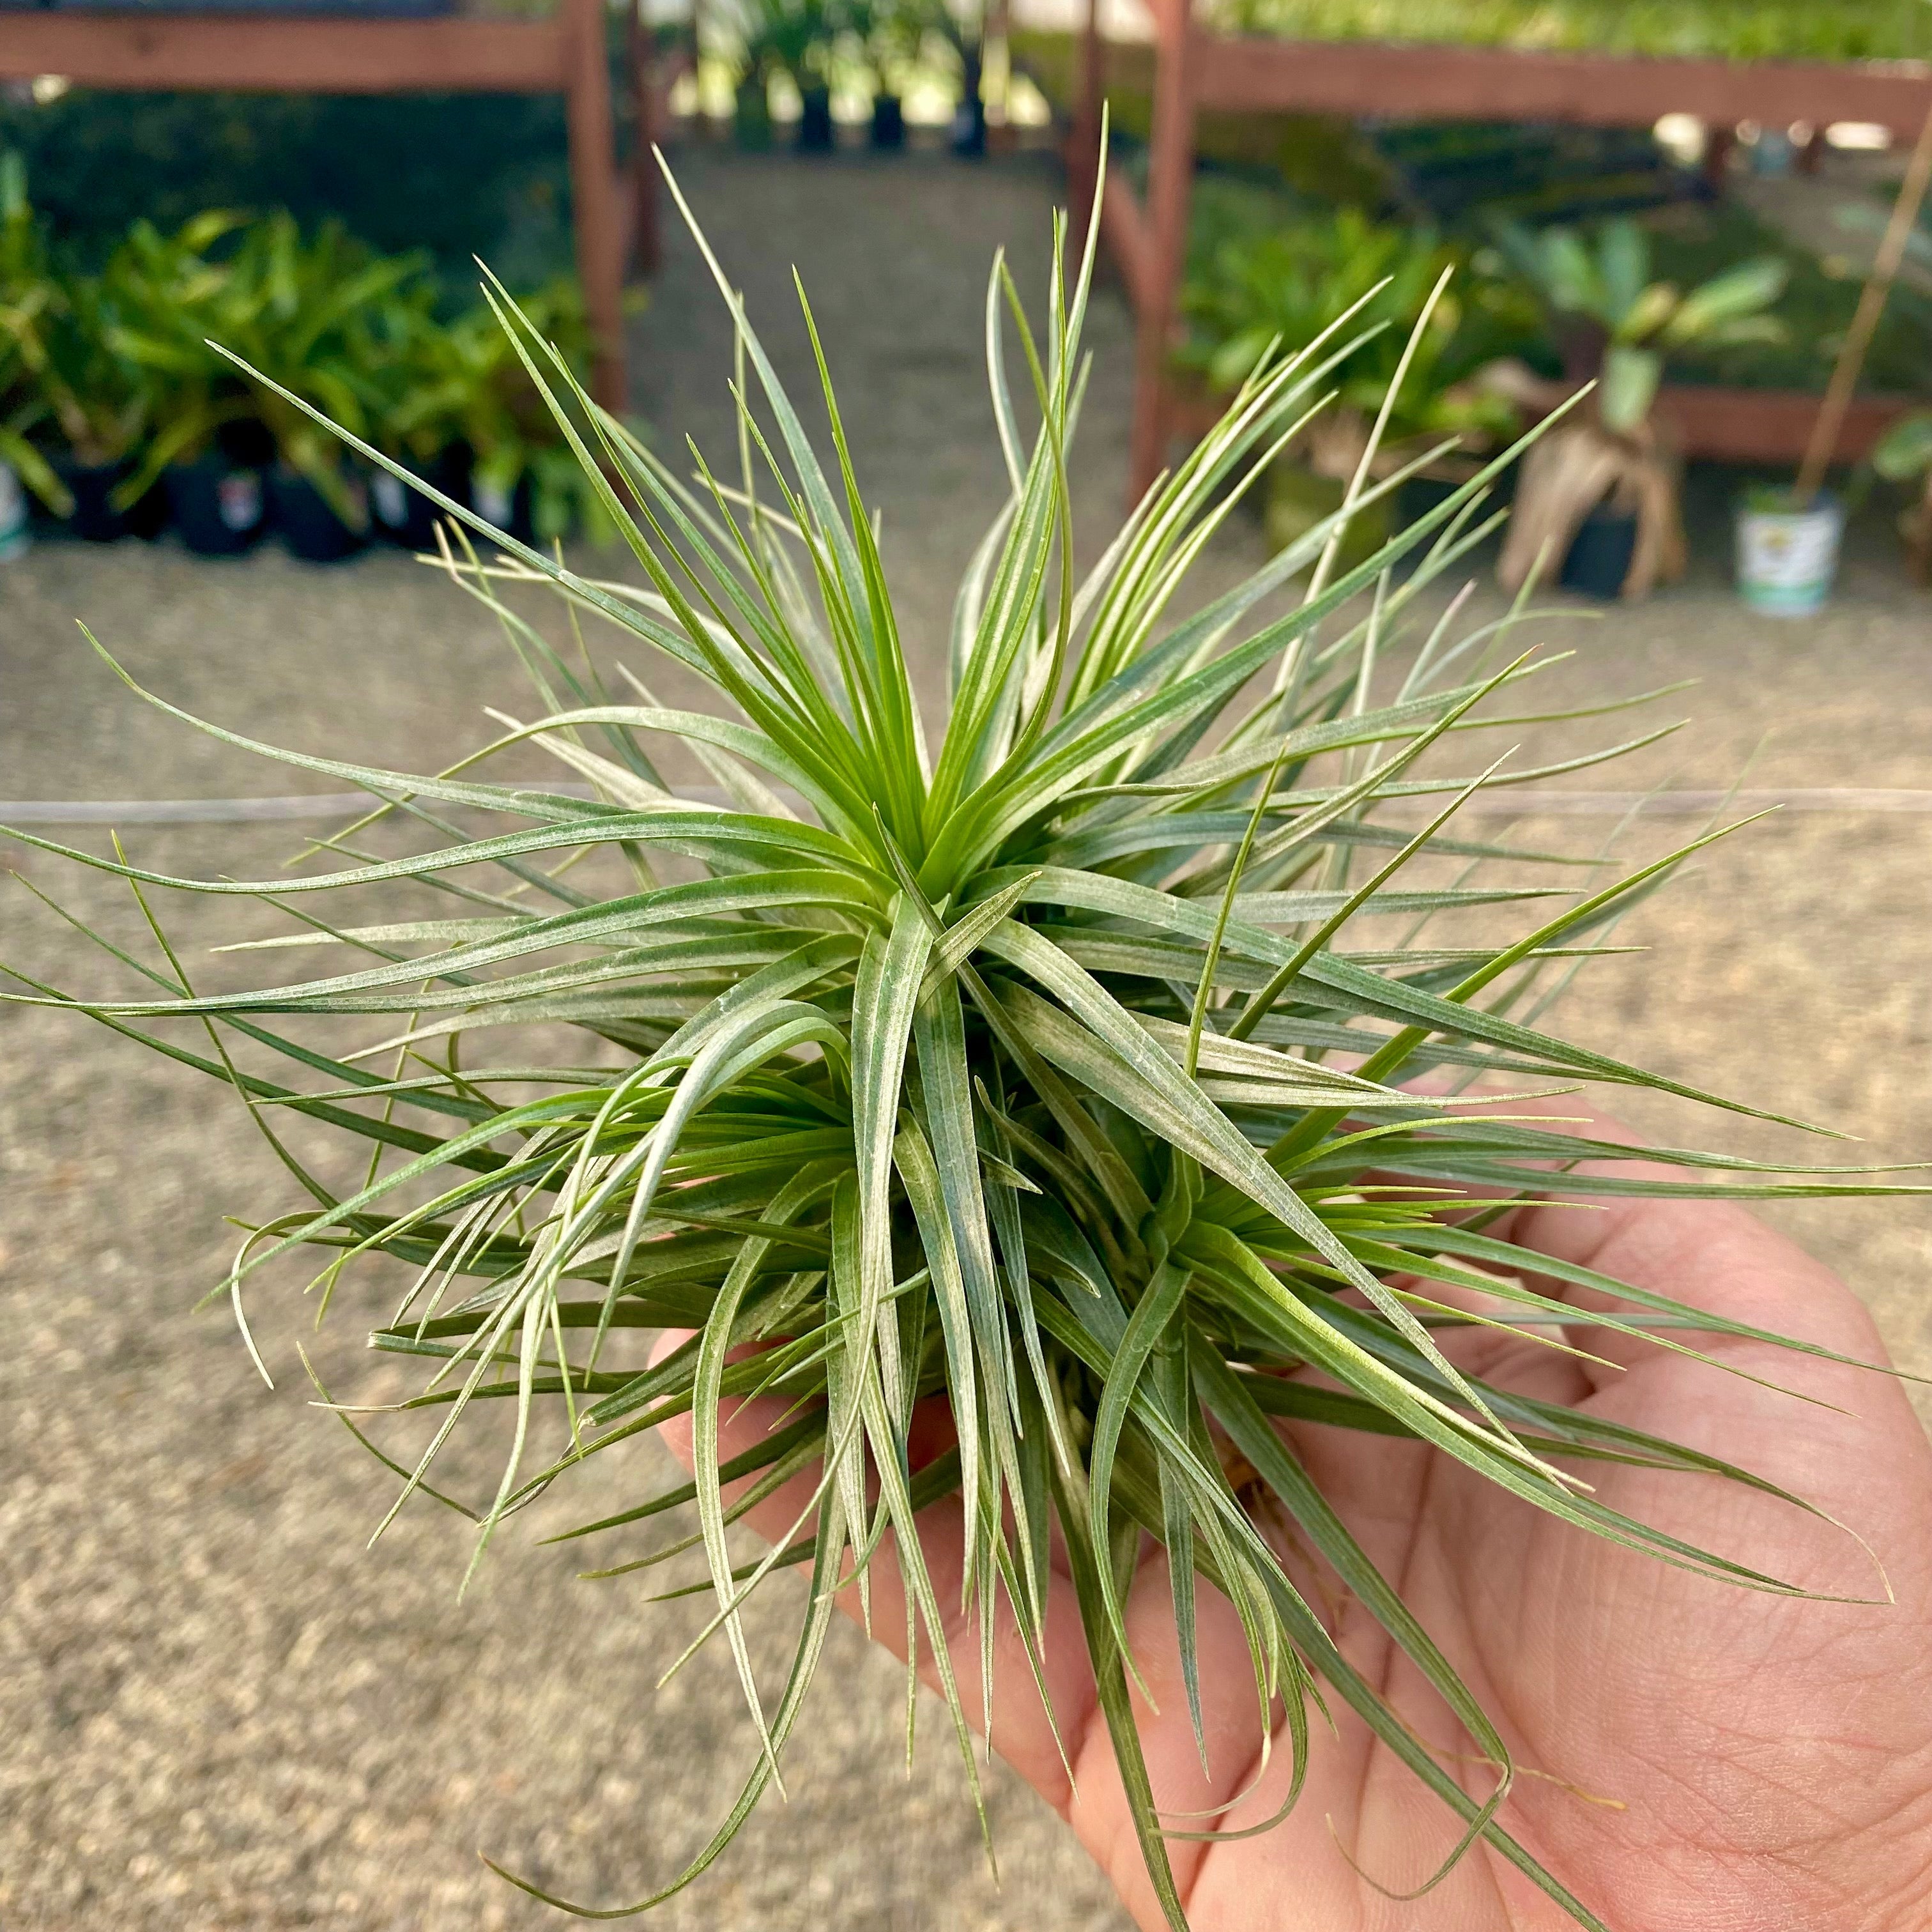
1084 1786
1021 1729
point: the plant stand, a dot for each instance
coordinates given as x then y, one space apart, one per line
563 53
1197 71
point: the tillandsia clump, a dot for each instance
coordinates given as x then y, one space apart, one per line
1031 1091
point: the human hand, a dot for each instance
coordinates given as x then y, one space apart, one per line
1691 1754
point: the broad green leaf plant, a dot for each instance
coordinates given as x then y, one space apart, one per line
296 308
459 381
30 300
1617 323
1031 1084
1601 281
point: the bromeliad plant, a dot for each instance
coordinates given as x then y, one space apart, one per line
1616 325
461 383
1043 1074
1249 292
30 300
296 306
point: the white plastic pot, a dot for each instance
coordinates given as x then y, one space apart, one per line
15 535
1787 559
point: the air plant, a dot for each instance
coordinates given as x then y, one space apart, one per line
1040 1075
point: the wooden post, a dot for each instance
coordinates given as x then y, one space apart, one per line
642 76
1085 162
1824 443
150 48
593 194
1720 138
1170 188
998 32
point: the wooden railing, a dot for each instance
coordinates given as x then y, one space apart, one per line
1196 71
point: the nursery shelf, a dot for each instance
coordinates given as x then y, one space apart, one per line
1399 80
1197 71
1717 421
562 53
1721 424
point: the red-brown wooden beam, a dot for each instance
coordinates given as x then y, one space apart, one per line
601 228
1125 236
1084 160
1427 82
1164 230
1720 425
1767 425
640 74
261 54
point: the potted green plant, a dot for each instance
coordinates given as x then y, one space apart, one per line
1273 286
961 25
99 399
21 463
1787 548
751 100
420 386
297 309
473 389
303 308
1904 455
890 35
206 447
30 294
793 38
1600 492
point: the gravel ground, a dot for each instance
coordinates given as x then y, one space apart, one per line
220 1710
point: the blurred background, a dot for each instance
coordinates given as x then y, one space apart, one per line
219 1709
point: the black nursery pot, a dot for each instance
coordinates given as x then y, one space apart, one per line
216 504
407 517
752 116
969 122
1599 557
888 121
815 120
94 517
1419 495
309 527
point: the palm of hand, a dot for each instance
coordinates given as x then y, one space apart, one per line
1697 1755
